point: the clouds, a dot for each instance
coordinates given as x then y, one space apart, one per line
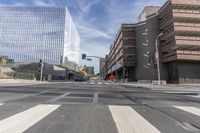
42 3
97 21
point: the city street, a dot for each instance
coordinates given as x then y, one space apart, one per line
97 106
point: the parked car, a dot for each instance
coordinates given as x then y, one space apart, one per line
80 79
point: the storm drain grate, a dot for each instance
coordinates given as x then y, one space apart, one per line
51 94
75 100
111 101
80 95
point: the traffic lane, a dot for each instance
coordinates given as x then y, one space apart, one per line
160 99
164 121
77 118
5 96
167 105
181 115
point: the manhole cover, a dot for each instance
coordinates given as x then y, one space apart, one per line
75 100
80 95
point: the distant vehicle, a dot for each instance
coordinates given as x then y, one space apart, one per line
80 79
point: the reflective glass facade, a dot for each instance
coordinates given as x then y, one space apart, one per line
28 34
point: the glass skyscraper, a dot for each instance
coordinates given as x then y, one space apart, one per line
28 34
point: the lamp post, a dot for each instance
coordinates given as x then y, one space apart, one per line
116 76
158 57
45 35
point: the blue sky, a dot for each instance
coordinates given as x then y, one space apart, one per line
97 21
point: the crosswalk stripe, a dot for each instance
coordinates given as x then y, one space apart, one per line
1 104
129 121
99 83
20 122
92 83
107 83
195 96
189 109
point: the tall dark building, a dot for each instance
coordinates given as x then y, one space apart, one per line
180 44
176 28
121 59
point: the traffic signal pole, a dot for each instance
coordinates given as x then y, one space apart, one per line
41 70
42 60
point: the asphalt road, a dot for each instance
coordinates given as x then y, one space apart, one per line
96 107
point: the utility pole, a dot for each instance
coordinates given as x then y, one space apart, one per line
158 57
116 76
124 73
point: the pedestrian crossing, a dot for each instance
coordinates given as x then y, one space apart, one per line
126 119
22 121
129 121
192 110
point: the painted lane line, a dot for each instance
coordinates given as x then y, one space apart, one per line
22 121
195 96
189 109
1 104
129 121
95 98
56 98
99 83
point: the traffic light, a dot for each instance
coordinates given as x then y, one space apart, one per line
41 66
83 56
40 63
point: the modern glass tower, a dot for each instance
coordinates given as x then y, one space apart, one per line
28 34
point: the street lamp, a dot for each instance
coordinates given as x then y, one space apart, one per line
116 76
157 56
43 48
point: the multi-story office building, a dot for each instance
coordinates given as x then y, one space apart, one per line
121 59
180 43
28 34
175 26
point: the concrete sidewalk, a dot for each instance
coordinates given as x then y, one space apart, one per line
168 87
19 82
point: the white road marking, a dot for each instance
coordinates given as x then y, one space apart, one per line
195 96
129 121
189 109
1 104
107 83
22 121
91 82
99 83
